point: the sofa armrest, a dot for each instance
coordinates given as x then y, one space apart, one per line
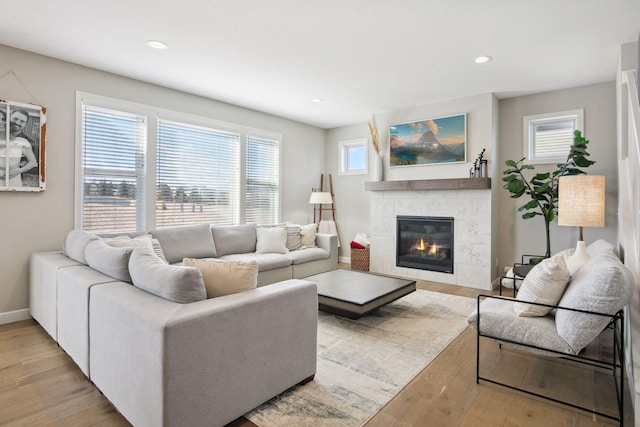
328 242
204 363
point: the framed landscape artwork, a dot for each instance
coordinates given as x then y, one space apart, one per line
439 140
22 146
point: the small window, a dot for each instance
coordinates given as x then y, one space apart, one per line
548 137
353 157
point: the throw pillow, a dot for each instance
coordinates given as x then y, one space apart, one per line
225 277
188 241
144 241
271 240
234 239
308 236
172 282
110 260
75 243
293 237
544 284
128 242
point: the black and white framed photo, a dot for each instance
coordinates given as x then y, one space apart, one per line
22 146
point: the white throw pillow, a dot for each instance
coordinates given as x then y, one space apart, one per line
308 236
145 241
128 242
271 240
545 284
225 277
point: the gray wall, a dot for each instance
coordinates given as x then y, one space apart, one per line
32 222
517 236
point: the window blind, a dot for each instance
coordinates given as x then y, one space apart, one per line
197 175
262 181
113 170
553 140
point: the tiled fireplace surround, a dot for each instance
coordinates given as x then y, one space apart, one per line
471 210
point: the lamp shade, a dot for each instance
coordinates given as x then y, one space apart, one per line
320 198
581 200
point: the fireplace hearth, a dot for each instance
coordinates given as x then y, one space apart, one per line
425 243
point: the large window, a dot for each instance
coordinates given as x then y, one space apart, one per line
197 175
548 137
113 169
143 168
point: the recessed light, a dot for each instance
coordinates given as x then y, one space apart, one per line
482 59
157 44
317 100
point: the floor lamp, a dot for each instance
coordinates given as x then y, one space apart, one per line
319 198
580 204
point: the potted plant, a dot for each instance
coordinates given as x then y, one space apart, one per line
542 188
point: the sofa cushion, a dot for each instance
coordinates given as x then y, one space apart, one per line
265 261
308 235
602 285
225 277
110 260
271 240
307 255
234 239
175 283
190 241
544 284
75 243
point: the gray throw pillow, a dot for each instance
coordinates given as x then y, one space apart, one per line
110 260
190 241
75 243
234 239
171 282
602 285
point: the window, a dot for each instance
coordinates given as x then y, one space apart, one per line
353 157
263 181
113 170
197 175
142 168
548 137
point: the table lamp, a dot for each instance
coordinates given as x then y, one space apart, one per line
580 204
319 198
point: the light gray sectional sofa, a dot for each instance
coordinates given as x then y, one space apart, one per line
166 363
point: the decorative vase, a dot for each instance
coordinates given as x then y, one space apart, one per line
376 172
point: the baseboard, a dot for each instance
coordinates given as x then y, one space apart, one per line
14 316
344 260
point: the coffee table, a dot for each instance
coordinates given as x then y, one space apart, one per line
354 294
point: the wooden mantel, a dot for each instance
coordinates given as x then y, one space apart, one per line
430 184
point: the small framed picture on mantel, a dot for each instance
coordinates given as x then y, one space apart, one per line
22 146
440 140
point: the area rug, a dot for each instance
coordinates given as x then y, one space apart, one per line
363 363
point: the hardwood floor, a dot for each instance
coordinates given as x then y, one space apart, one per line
40 385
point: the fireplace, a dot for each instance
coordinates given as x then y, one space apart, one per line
425 243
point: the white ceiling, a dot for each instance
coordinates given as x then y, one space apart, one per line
360 56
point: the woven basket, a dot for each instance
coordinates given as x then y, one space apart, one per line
360 259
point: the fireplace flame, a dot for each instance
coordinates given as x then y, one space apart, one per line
433 249
421 246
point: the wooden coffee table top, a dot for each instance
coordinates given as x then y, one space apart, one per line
353 294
